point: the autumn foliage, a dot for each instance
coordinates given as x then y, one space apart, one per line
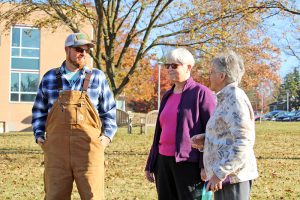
128 34
142 104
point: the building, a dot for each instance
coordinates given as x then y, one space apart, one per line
26 53
282 105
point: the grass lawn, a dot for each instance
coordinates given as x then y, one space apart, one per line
277 149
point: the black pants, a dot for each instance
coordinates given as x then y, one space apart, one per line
237 191
177 180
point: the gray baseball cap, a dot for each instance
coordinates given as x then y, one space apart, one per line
78 39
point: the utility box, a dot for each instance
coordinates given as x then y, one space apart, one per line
2 127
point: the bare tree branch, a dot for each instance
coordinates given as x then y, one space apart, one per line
176 44
292 51
154 17
127 14
289 10
129 36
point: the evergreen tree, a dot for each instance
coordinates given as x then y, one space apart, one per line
291 85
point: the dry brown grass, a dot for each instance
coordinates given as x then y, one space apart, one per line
277 149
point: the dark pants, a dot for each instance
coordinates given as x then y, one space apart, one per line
177 180
237 191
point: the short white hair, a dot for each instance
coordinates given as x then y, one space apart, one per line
231 64
180 56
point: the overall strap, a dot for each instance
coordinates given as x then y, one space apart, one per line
86 81
58 79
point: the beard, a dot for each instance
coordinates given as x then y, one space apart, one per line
75 63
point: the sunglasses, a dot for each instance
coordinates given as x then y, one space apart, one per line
172 65
80 50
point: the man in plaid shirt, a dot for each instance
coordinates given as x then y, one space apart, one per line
74 119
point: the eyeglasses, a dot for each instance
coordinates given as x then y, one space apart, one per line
172 65
215 72
80 50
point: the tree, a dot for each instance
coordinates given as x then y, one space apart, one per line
290 88
145 105
290 10
239 29
146 24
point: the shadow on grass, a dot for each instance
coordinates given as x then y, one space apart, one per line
118 153
33 151
128 153
16 134
20 151
274 158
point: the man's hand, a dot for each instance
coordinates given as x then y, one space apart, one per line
104 140
149 176
198 141
214 184
40 141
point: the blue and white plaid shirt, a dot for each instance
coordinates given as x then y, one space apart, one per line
98 92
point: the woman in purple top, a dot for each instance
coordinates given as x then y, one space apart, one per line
185 109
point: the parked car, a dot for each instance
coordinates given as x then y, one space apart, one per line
270 115
279 115
296 117
287 116
257 116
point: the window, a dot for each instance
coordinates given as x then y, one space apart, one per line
25 64
23 86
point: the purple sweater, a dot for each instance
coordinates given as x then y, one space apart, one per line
196 105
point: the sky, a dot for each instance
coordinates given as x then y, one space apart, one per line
276 28
279 28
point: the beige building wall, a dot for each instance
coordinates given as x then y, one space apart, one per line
17 116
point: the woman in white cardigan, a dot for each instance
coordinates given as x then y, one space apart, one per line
229 160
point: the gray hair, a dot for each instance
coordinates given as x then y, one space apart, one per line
231 64
180 55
